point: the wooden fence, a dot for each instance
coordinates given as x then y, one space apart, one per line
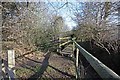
7 66
102 70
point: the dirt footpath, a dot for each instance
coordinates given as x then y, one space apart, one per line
60 67
50 65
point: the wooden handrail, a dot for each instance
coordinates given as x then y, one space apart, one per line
1 69
99 67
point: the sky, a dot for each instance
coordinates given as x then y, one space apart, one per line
65 12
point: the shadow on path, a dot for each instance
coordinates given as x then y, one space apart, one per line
43 68
65 73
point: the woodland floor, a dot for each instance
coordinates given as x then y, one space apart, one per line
41 65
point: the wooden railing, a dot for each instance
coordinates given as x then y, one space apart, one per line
7 67
7 71
102 70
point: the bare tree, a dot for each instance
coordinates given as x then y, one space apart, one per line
94 22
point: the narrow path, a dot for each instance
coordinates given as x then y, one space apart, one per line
43 68
50 66
60 67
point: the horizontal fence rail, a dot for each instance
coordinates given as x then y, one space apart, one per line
65 38
99 67
65 43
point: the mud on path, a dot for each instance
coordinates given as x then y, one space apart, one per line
50 65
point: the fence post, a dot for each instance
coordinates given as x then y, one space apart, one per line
77 63
0 68
11 63
59 48
75 60
77 55
73 47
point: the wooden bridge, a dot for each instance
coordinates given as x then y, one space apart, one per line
7 67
